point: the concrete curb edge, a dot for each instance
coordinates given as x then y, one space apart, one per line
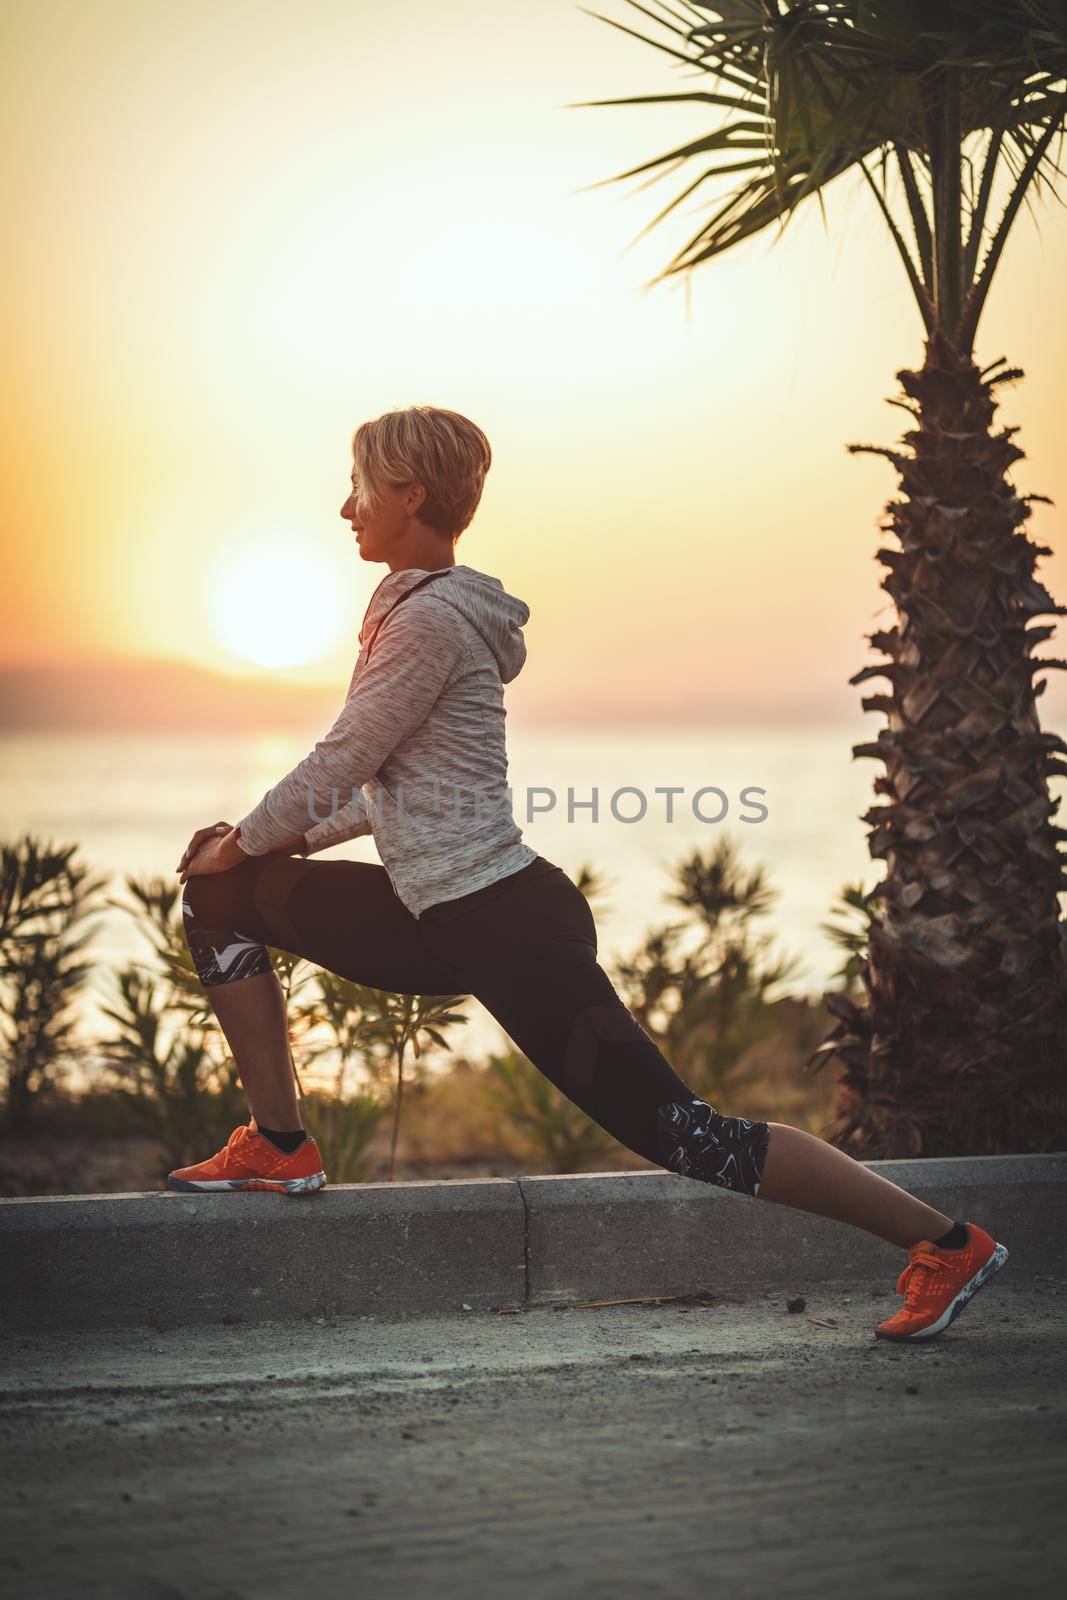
169 1260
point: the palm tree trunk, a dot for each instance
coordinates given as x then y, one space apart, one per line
959 1044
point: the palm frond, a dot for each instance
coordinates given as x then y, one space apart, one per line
819 90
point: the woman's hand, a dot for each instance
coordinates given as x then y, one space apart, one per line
197 840
217 852
232 857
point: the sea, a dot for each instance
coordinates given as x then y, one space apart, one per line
790 798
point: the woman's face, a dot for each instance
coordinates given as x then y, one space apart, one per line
378 532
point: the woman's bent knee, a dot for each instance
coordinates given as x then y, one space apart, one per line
220 952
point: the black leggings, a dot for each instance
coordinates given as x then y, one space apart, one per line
525 946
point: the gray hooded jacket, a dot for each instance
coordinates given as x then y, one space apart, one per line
417 756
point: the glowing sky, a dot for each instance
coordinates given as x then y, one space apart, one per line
237 230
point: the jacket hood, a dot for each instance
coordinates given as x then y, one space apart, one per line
481 599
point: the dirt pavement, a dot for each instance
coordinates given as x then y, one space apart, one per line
730 1450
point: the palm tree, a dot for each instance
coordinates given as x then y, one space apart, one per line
957 1042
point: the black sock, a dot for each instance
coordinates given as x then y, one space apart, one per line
955 1239
286 1142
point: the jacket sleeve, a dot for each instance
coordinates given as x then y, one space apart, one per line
414 657
352 820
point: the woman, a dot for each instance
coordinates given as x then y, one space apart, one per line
461 904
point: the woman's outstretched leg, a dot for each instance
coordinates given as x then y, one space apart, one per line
533 956
805 1172
576 1030
560 1008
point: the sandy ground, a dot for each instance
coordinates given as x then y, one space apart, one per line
735 1449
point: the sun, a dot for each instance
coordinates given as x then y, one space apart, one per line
275 608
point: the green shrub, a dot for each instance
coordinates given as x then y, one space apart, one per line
45 895
551 1127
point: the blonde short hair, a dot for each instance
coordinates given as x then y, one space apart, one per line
445 452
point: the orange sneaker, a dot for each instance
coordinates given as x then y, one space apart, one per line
249 1161
937 1284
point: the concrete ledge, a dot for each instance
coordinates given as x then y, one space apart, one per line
605 1236
170 1260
